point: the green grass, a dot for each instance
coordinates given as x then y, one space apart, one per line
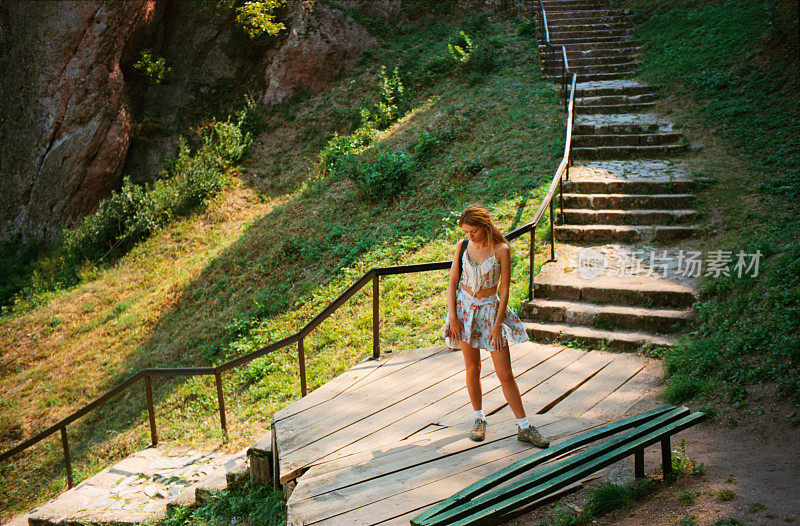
256 506
736 64
272 250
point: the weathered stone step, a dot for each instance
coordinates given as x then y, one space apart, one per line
629 186
615 108
577 26
625 139
629 201
627 152
586 336
622 233
649 292
557 33
594 61
610 100
606 88
587 216
591 76
608 317
587 16
597 47
596 42
586 70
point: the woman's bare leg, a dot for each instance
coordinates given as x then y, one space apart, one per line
502 366
472 363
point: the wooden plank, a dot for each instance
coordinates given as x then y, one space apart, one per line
527 379
423 409
387 509
553 471
626 396
382 390
568 379
550 453
397 457
349 498
609 379
489 506
359 376
297 448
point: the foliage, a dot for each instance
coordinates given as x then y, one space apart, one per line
152 66
384 176
256 505
461 48
257 17
721 54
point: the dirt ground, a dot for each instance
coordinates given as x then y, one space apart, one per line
752 450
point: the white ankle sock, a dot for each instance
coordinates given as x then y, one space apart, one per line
523 422
479 414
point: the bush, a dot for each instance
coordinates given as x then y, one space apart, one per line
385 176
461 48
225 142
257 17
152 66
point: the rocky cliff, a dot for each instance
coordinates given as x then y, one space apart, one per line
70 97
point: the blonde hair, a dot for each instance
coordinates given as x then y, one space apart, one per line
478 216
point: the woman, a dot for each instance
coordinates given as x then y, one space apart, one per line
478 316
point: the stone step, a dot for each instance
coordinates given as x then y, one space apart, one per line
622 233
566 6
577 26
629 201
587 216
648 292
608 317
597 47
593 61
616 99
591 76
557 34
595 42
627 152
607 88
597 338
614 108
587 16
586 70
625 139
629 186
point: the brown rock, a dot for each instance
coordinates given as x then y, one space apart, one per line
64 112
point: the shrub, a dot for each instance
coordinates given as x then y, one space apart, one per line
385 176
392 103
461 48
152 66
257 17
225 142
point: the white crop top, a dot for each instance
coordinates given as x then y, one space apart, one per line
480 276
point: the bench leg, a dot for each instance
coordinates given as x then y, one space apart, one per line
638 463
666 457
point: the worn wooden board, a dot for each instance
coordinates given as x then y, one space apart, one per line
618 402
391 438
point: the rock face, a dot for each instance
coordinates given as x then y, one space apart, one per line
64 113
70 98
322 42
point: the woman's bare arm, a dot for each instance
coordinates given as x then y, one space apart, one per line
452 288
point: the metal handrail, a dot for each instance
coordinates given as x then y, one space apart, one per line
373 275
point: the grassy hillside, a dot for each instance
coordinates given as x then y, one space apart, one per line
284 239
729 73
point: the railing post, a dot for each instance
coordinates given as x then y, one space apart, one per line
221 400
376 330
531 253
568 161
561 197
301 358
148 389
552 233
67 460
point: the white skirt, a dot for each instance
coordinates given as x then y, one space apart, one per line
478 315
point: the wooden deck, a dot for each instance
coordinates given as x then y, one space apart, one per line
388 438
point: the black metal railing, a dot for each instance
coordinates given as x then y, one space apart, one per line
373 275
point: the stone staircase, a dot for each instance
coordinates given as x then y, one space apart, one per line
619 279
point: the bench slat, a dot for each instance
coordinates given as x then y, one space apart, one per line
481 514
660 425
536 459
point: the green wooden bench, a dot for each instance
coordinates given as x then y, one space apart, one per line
480 504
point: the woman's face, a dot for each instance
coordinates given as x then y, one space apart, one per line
474 234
